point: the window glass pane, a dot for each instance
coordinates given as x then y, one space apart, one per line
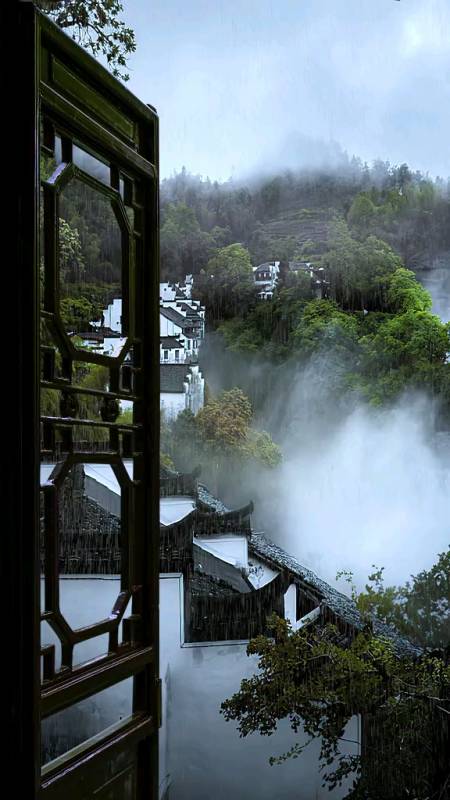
75 726
91 164
58 149
90 268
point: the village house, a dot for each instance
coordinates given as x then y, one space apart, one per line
172 350
182 329
183 323
178 297
316 274
105 335
266 277
182 387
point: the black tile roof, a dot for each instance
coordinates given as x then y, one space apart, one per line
172 377
182 322
191 311
173 316
207 564
170 342
341 605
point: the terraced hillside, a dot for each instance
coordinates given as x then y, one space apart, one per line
309 227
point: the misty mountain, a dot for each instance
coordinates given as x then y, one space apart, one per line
287 215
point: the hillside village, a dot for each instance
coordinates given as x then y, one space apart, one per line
219 579
346 294
182 330
163 639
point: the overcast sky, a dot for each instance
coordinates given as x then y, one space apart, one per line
240 84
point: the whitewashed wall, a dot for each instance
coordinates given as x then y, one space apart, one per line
195 387
259 574
232 549
169 328
171 357
201 755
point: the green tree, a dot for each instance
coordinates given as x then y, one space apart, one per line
96 25
77 313
71 258
362 214
407 350
185 248
249 334
224 430
220 438
420 609
318 679
358 271
224 422
405 293
85 406
227 286
324 325
224 427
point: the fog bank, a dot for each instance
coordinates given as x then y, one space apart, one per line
358 486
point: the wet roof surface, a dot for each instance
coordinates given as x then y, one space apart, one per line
343 606
172 509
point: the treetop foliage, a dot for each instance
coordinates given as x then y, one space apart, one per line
95 25
226 285
373 322
318 680
220 437
290 215
224 421
420 609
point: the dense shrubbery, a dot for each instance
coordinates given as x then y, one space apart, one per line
375 323
220 438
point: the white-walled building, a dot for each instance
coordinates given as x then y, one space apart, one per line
266 278
190 328
218 583
172 350
182 329
105 336
168 291
182 387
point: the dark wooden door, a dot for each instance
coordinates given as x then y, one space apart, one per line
85 593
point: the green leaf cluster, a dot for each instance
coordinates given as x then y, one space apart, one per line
95 25
420 609
318 679
220 437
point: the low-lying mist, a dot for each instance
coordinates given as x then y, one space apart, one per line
358 485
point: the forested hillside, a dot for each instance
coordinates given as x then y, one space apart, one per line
289 215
